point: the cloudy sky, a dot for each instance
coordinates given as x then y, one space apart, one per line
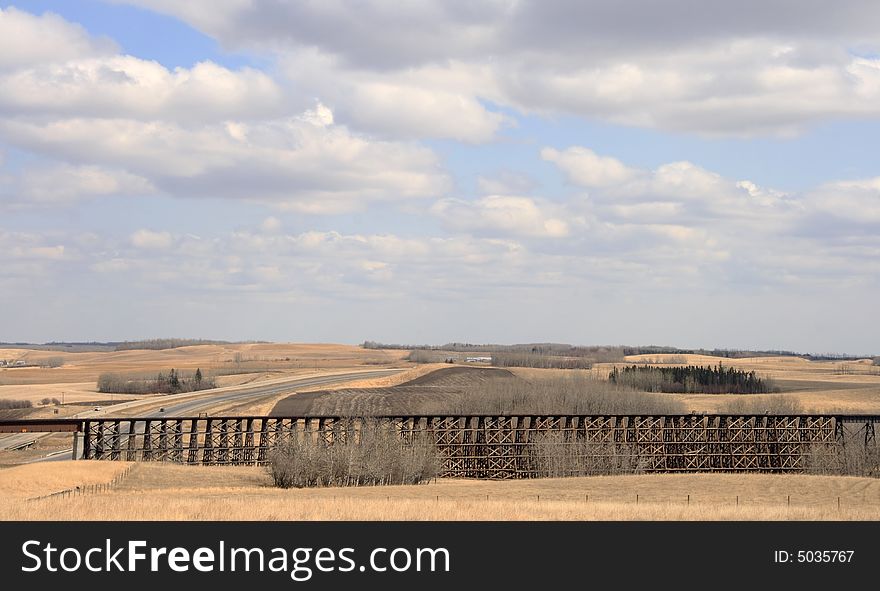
696 174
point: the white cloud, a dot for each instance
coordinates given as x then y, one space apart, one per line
52 184
149 240
271 225
320 116
517 216
584 167
122 86
27 39
675 192
506 182
288 163
125 125
709 69
856 202
432 101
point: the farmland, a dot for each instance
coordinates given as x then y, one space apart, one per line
166 491
162 491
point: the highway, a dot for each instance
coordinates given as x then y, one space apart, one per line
193 407
191 404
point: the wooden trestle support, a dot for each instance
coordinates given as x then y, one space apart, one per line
501 447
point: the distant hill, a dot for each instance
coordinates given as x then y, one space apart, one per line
95 346
563 349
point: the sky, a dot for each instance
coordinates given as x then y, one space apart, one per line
692 174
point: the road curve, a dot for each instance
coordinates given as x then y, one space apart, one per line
203 404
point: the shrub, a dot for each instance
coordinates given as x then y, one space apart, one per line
370 455
422 356
850 456
544 361
555 456
7 404
576 393
771 404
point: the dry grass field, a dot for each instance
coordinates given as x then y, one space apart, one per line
36 480
74 382
157 491
820 386
817 386
436 391
261 357
163 492
805 386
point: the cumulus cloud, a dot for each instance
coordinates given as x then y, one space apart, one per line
505 214
58 183
585 168
289 163
759 68
149 240
436 101
117 124
312 263
122 86
27 39
271 225
675 192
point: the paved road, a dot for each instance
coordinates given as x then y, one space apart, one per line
208 399
17 439
193 407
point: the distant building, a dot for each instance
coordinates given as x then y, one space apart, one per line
478 359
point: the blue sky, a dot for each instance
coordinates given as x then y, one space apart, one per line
483 173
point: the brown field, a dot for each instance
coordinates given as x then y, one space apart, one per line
433 391
36 480
805 386
163 492
261 358
156 491
852 387
818 386
74 382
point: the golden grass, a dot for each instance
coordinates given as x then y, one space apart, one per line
86 367
822 386
411 373
163 492
35 480
235 506
70 392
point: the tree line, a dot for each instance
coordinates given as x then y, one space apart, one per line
691 379
163 383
